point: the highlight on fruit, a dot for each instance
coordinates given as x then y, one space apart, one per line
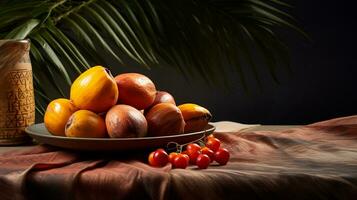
125 106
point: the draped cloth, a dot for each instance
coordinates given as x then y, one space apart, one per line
317 161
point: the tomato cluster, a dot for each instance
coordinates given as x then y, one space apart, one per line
193 154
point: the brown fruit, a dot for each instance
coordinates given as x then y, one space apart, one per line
161 97
124 121
165 119
85 123
195 116
95 90
57 114
135 90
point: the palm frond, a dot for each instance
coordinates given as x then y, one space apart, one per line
197 37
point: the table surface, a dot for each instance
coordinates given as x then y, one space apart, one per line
255 128
318 161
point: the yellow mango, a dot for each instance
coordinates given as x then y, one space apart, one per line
95 90
57 114
196 117
84 123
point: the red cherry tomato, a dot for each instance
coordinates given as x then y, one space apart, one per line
193 150
193 156
180 161
186 157
158 158
203 161
161 157
213 144
172 156
185 152
208 152
222 156
193 147
151 160
210 136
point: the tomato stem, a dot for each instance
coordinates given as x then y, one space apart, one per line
178 147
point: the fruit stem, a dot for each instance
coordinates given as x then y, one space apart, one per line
179 147
69 122
109 72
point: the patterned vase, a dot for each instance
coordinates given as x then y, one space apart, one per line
17 106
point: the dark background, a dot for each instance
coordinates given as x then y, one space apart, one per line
322 85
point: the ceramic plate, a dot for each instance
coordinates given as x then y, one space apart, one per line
41 135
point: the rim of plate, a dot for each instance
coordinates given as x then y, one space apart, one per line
28 130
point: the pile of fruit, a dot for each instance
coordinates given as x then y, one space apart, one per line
125 106
193 154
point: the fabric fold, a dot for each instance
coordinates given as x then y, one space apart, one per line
317 161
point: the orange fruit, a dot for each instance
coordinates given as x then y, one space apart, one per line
57 114
135 90
95 90
85 123
195 116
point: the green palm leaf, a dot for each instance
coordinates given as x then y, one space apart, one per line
196 37
23 30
